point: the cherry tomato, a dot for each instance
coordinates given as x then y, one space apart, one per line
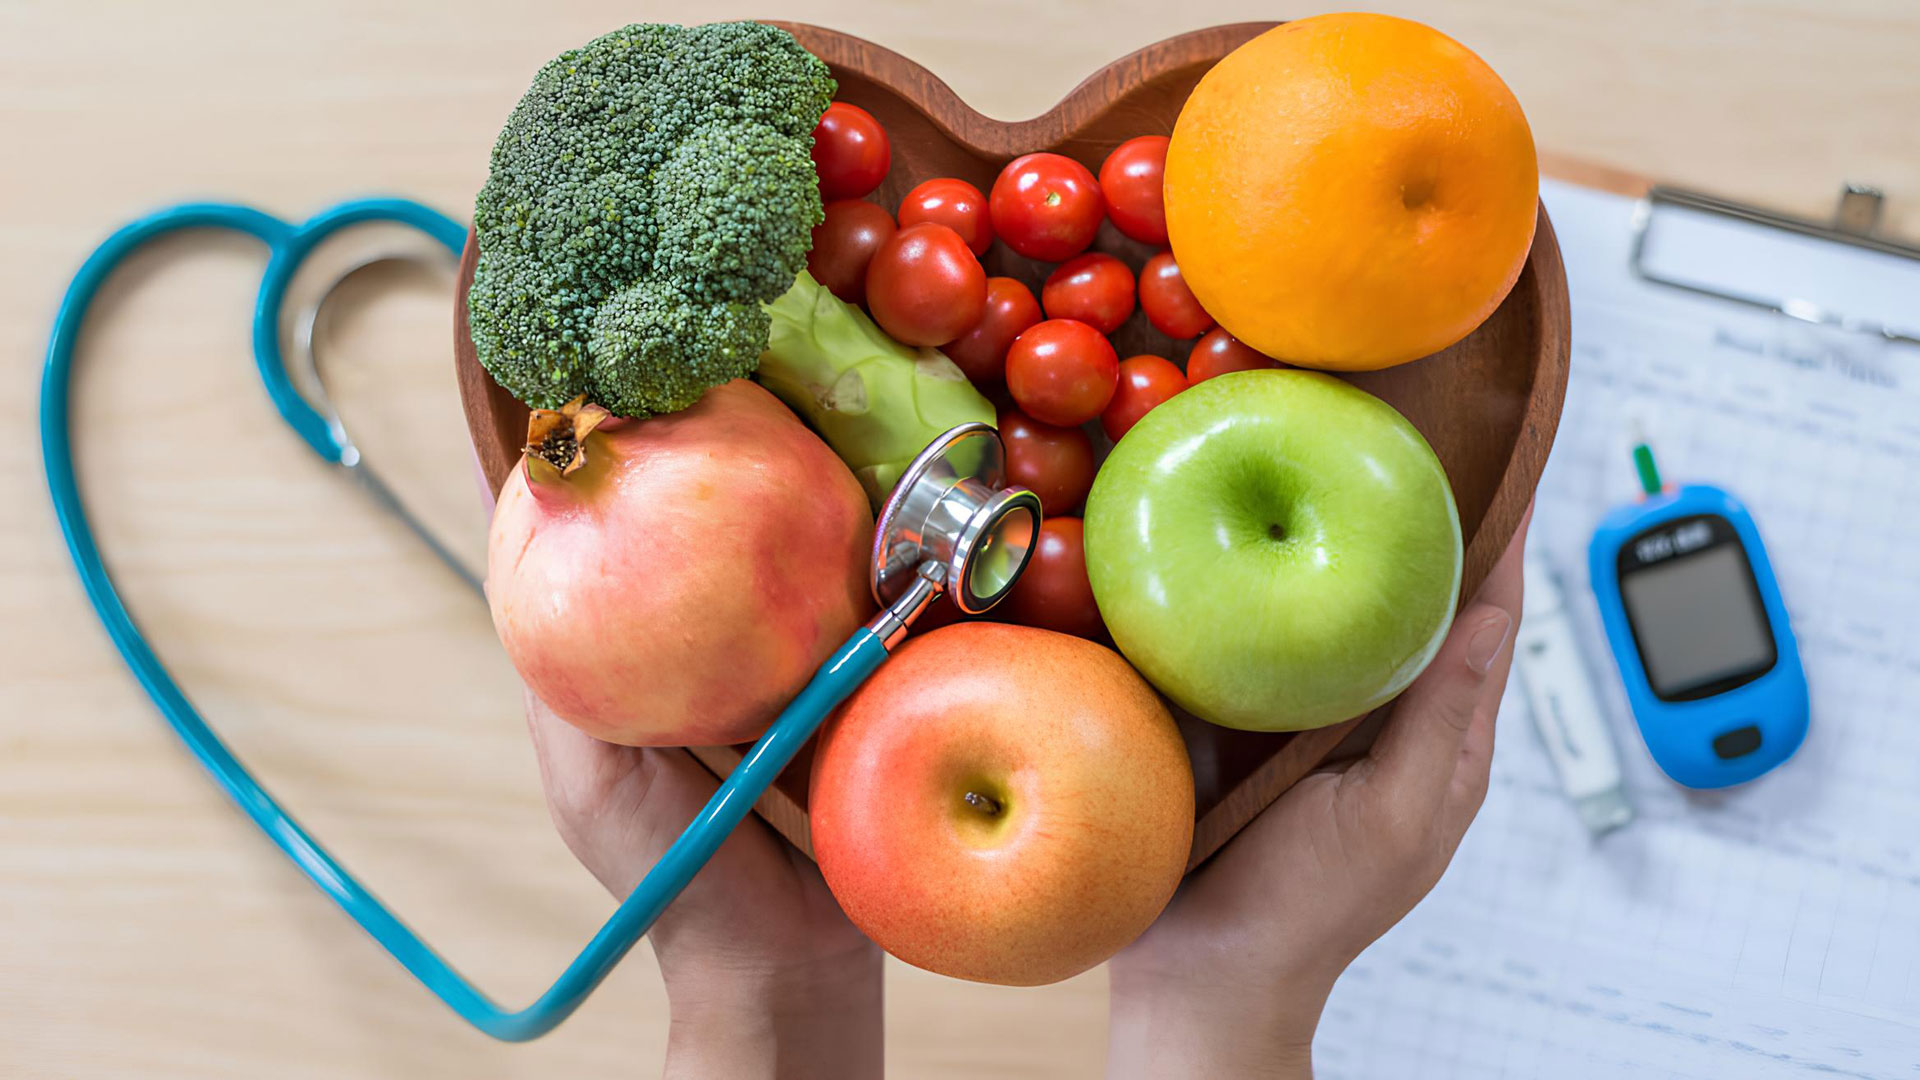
982 351
924 287
1130 184
1095 288
1046 206
1220 352
1053 592
1062 371
1169 304
850 152
1145 382
1055 462
844 244
954 203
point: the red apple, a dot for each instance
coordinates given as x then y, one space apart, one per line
1002 804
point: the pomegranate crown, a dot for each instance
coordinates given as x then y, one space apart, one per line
557 439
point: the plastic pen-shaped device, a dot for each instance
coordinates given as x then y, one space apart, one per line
1566 711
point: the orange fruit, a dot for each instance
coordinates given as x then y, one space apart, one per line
1351 191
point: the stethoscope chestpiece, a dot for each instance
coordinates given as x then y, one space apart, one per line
953 525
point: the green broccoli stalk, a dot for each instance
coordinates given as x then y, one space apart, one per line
876 402
649 194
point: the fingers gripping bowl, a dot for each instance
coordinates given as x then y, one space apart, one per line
1487 405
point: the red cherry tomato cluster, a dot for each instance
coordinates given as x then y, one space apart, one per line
918 271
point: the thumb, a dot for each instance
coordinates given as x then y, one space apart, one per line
1416 752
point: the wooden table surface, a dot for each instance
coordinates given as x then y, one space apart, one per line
145 928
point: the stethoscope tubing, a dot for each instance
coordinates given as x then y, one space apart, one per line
288 245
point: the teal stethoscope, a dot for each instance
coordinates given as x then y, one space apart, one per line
950 526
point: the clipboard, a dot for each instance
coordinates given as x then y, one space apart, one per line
1763 932
1855 224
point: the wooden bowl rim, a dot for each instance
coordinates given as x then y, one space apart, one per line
991 138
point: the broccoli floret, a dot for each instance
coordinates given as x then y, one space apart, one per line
666 348
716 235
651 190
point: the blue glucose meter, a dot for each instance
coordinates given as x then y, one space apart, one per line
1698 629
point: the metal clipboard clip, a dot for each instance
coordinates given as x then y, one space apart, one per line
1855 223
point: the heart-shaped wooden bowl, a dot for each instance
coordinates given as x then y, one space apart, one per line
1489 405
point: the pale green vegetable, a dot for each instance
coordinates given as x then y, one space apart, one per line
875 401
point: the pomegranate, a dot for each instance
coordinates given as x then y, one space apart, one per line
675 581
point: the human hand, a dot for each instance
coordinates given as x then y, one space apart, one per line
1232 978
764 975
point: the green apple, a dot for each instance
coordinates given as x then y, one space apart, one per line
1275 550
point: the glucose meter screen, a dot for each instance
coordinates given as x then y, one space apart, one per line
1698 621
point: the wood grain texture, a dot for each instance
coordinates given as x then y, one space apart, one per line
146 930
1488 405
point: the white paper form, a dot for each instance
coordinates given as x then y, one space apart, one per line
1767 931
